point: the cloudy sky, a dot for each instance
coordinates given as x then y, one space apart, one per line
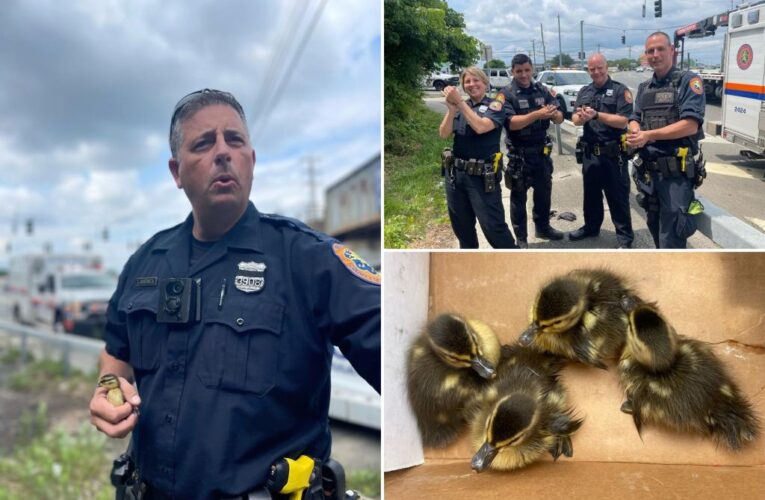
509 27
87 88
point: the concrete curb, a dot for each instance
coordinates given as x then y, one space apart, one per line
717 224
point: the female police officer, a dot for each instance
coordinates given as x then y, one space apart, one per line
473 170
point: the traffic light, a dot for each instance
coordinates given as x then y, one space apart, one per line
624 39
657 8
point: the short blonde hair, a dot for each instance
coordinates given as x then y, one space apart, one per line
476 72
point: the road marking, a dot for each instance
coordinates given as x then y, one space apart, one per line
757 222
728 169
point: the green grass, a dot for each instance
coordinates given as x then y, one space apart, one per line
44 373
58 465
414 191
365 481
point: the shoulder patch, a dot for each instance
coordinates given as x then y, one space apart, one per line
498 102
355 264
696 85
628 96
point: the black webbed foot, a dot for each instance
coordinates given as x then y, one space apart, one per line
627 407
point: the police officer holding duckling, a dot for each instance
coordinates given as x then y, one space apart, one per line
665 127
226 323
602 108
472 167
531 108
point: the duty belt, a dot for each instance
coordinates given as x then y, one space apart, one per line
472 166
611 148
529 150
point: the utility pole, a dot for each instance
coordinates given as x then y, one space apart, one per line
581 43
533 54
560 46
630 52
598 48
544 53
312 208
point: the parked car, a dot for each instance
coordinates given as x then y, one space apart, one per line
566 85
499 77
439 81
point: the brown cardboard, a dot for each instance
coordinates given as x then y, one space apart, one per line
714 297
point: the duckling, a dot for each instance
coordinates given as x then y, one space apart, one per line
524 414
112 383
579 316
448 366
679 383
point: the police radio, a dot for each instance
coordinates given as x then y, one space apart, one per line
179 300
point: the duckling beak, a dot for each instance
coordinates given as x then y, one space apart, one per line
483 368
528 336
483 457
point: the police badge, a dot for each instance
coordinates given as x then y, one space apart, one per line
251 277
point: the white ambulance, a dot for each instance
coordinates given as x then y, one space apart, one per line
743 120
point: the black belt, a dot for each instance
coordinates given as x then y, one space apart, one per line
611 148
472 166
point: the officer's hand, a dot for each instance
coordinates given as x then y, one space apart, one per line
115 421
637 139
452 95
588 113
547 112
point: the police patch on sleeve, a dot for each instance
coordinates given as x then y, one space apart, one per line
497 103
628 96
355 264
696 85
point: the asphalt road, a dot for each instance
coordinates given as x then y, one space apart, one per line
734 183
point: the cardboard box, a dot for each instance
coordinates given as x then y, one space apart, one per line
714 297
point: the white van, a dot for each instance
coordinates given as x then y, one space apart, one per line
498 77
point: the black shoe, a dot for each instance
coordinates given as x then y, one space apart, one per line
581 234
549 233
523 244
624 245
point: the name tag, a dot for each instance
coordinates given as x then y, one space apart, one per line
483 108
664 97
523 103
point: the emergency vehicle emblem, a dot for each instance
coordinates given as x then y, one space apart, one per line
355 264
497 103
696 85
250 278
744 56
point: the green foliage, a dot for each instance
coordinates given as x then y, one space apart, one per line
419 34
11 356
365 481
39 374
565 60
33 424
414 192
495 63
58 466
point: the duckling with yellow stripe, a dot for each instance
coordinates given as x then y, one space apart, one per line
449 366
678 382
579 316
524 415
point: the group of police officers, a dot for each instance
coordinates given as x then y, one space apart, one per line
660 129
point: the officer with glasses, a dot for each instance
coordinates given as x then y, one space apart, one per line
226 323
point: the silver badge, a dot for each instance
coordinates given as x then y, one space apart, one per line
252 279
483 109
610 92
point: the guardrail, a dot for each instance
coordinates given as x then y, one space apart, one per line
352 399
69 345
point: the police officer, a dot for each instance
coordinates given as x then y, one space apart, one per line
473 170
666 126
531 108
234 376
603 107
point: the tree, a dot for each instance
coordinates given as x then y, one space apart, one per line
420 34
495 63
565 60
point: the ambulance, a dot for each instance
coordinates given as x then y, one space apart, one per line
743 105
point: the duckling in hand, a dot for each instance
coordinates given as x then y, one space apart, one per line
524 414
679 383
579 316
114 393
448 367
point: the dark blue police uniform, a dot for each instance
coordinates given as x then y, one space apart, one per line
532 146
670 182
604 167
225 397
467 196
